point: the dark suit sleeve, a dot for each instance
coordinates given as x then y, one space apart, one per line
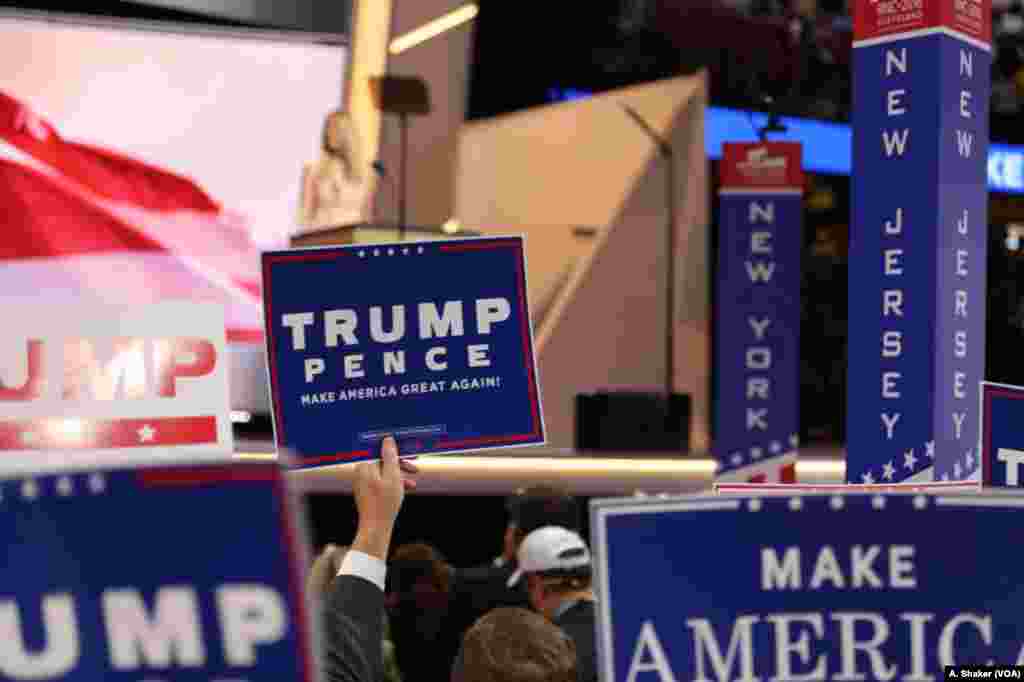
353 631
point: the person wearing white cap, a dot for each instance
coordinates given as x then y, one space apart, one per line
557 567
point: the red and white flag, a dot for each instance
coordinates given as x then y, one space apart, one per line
86 224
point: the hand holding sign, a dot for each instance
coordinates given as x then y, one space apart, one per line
379 490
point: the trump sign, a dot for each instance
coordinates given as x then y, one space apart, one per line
806 587
164 573
1001 441
81 384
427 341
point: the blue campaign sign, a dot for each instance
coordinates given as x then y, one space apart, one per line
428 341
1001 442
815 587
917 248
183 573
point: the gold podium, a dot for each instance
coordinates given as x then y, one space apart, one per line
372 233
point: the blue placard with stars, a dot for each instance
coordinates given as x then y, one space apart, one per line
806 587
190 573
1001 438
429 342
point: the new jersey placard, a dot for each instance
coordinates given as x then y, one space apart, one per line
190 573
806 587
430 342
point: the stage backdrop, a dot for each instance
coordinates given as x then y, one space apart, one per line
137 165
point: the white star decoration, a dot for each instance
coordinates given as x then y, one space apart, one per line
97 484
945 477
776 447
795 503
909 461
868 478
64 486
405 252
754 504
30 489
376 252
929 449
836 502
362 254
146 433
391 252
920 502
419 249
878 502
888 471
737 459
756 453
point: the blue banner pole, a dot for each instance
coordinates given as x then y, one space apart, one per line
918 239
758 313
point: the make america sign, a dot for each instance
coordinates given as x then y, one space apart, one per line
815 587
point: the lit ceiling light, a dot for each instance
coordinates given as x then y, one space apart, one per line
451 226
434 28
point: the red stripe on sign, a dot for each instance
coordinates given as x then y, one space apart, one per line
341 457
195 476
91 434
472 246
759 478
788 473
307 256
245 335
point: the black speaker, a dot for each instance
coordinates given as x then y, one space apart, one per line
629 421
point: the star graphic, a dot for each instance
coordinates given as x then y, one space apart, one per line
737 459
878 502
836 502
97 484
956 470
754 504
945 477
929 449
795 503
920 502
794 440
909 461
419 249
146 433
376 252
970 459
64 486
362 254
405 252
776 447
756 453
391 252
867 478
888 470
30 489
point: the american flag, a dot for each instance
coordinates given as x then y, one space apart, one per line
84 223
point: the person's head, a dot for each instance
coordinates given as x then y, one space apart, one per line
341 141
535 507
325 568
419 576
556 565
515 645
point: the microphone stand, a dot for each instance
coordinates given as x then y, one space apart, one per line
664 148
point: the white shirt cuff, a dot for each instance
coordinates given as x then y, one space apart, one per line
364 566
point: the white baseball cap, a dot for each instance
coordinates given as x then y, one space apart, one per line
550 548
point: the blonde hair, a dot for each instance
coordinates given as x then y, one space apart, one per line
349 151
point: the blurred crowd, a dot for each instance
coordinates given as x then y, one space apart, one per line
529 614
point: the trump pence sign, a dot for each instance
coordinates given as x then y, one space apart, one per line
427 341
182 573
82 384
806 587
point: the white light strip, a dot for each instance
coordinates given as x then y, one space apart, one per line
433 28
568 465
240 417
